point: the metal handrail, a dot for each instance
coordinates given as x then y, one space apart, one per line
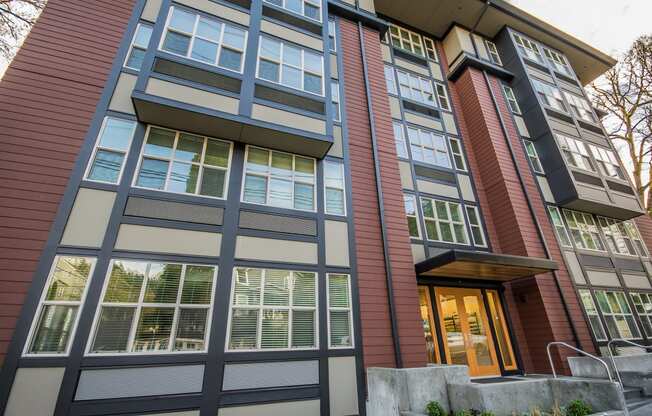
563 344
613 361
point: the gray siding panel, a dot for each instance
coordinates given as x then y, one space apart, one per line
175 211
268 222
276 374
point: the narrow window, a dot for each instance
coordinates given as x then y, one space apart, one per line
431 50
617 314
412 215
592 313
399 140
458 155
444 221
560 227
476 226
390 80
632 232
335 99
643 305
533 156
442 96
428 147
332 36
334 188
138 46
340 321
110 152
511 100
493 52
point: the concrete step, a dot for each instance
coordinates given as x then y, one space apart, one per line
632 393
634 404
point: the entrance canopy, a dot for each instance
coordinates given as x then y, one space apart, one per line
481 265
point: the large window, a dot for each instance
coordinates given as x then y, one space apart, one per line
308 8
560 228
549 95
110 152
340 321
617 314
279 179
643 305
292 66
184 163
533 156
406 40
575 152
617 237
399 140
334 188
557 62
444 221
199 37
584 230
428 147
580 107
528 49
56 318
607 162
476 226
416 88
511 100
494 56
410 202
273 310
592 313
138 46
151 307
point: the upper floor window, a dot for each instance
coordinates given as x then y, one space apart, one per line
442 96
617 314
340 320
110 152
511 100
549 95
458 155
575 152
279 179
335 100
292 66
390 80
584 230
57 315
607 162
560 228
477 232
334 188
617 236
332 36
533 156
632 232
580 107
151 307
410 202
399 140
138 46
557 61
204 39
527 48
184 163
494 56
431 50
428 147
406 40
444 221
308 8
416 88
643 305
592 312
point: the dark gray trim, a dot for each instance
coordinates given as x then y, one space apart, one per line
479 257
358 15
471 61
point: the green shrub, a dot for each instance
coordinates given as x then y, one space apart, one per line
464 413
434 409
578 408
487 413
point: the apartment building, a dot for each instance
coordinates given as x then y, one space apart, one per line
235 207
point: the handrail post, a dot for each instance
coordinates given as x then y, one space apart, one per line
613 360
559 343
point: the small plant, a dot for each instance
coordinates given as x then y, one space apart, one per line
434 409
464 413
578 408
487 413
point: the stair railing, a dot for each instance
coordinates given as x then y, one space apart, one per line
563 344
613 361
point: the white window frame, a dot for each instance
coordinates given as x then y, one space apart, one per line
434 150
533 156
616 233
133 45
492 51
549 96
335 100
644 299
194 35
467 209
349 310
342 188
557 61
430 49
413 39
171 161
585 229
97 147
557 221
416 93
595 313
511 99
316 3
575 152
332 36
138 306
413 199
607 162
459 153
400 140
390 82
622 314
528 48
449 221
42 303
635 235
580 107
442 96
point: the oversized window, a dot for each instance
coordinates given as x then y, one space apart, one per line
617 314
292 66
458 155
643 305
399 140
152 307
416 88
580 107
279 179
442 96
557 62
201 38
607 162
410 202
511 100
494 56
444 221
138 46
575 152
390 80
110 152
57 315
308 8
584 230
334 188
431 50
617 237
549 95
340 321
477 233
560 227
273 310
185 163
528 49
428 147
533 156
406 40
335 100
592 313
332 36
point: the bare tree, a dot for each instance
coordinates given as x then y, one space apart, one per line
624 93
16 19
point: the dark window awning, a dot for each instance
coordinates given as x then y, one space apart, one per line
481 265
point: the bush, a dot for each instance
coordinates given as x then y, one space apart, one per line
435 409
487 413
578 408
463 413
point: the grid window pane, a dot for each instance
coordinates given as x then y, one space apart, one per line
191 330
154 328
54 329
111 150
113 329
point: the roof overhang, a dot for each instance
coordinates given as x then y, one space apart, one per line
482 265
436 16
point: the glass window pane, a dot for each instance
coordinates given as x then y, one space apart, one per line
431 230
204 51
125 282
247 287
280 193
106 166
113 328
152 173
68 279
303 329
274 331
160 143
277 288
154 329
255 189
305 168
191 330
136 58
291 76
312 62
217 153
212 182
281 164
162 283
257 160
143 34
209 29
182 20
230 59
311 12
244 323
183 178
312 83
304 290
189 148
234 37
176 43
54 328
304 196
334 201
291 55
117 134
197 285
270 49
340 329
268 70
338 291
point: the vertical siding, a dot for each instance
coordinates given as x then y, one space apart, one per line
47 98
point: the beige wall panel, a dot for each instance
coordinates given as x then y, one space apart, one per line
545 189
435 69
301 408
34 392
121 99
217 9
367 5
395 108
387 55
268 249
599 278
418 253
406 175
286 118
423 121
437 189
482 48
89 218
574 267
540 75
402 63
332 59
151 10
336 148
291 35
456 41
192 96
520 125
449 122
342 386
637 281
466 188
337 243
168 240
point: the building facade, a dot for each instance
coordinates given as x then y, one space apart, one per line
235 207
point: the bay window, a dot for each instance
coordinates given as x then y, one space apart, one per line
390 80
575 152
607 162
458 155
549 95
533 156
528 49
557 61
477 233
431 50
580 107
511 100
494 56
399 140
442 96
